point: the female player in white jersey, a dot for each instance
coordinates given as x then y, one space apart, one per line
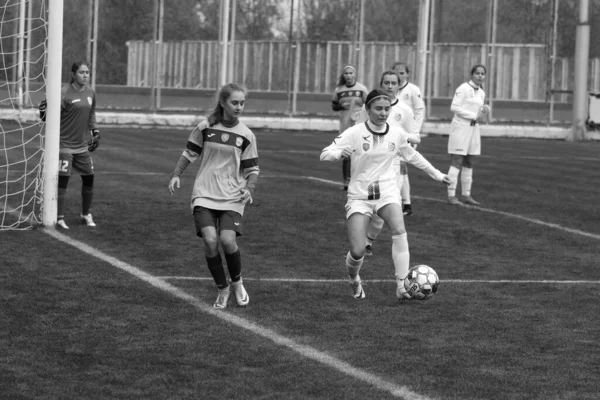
464 141
401 115
410 94
372 146
224 184
348 98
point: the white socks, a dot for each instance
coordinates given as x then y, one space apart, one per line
466 180
353 266
400 256
453 175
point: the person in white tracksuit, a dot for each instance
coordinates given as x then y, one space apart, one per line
464 142
410 94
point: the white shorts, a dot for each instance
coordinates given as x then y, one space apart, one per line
464 139
370 207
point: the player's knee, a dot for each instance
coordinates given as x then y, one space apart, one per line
398 229
87 180
228 243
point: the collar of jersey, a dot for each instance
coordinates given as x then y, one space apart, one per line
473 85
405 85
387 128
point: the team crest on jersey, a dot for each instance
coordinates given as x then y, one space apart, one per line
89 100
366 146
406 96
392 146
225 137
239 141
397 116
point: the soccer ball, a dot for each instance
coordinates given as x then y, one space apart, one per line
421 282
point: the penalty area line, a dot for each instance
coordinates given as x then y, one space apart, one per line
490 211
466 281
309 352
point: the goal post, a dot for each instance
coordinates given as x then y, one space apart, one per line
52 137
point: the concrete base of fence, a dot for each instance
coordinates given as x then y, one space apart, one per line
187 121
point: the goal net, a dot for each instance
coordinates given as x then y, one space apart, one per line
23 85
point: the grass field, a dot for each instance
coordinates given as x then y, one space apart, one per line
123 311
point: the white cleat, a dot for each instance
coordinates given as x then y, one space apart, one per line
401 293
241 296
61 224
222 298
87 219
357 289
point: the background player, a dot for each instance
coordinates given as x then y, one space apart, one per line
373 189
77 120
410 94
464 141
224 184
400 115
348 97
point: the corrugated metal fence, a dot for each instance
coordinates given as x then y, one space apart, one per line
520 73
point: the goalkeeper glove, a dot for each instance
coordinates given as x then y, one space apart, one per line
42 108
95 142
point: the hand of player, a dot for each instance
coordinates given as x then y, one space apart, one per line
446 180
95 142
246 196
346 152
173 183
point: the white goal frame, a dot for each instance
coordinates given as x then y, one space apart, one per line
52 137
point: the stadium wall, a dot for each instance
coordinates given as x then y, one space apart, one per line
181 120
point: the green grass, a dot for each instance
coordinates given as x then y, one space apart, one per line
74 326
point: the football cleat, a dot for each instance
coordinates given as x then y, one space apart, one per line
368 250
87 219
470 200
222 298
401 292
357 289
453 200
241 296
61 224
407 210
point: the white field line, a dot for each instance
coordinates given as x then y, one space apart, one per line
466 281
489 210
305 351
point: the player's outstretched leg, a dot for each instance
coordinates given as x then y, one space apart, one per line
353 267
405 190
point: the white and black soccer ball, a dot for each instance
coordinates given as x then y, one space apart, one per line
422 282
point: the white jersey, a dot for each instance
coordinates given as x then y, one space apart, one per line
373 154
411 95
401 115
468 98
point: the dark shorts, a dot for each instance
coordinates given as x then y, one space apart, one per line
219 219
80 163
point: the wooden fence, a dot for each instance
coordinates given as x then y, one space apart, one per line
520 71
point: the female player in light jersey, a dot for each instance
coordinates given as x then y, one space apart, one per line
372 146
224 185
400 115
77 121
464 141
410 94
348 97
